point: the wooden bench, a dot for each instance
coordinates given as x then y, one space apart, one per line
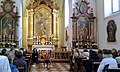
28 60
79 64
113 70
21 69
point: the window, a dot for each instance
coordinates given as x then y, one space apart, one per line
116 5
66 13
111 6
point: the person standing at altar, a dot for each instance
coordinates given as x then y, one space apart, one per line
35 56
47 59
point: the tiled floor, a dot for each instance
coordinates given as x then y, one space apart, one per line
54 67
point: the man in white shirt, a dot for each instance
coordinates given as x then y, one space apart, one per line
4 64
108 60
86 53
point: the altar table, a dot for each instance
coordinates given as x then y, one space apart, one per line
43 47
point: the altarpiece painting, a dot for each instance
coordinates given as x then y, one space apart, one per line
42 21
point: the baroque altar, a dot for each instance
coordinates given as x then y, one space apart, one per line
42 23
84 33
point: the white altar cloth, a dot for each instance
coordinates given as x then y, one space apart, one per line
43 47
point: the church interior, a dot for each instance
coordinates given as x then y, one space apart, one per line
60 30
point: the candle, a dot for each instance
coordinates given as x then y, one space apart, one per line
87 37
81 37
90 37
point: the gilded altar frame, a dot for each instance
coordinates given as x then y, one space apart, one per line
8 24
83 26
42 21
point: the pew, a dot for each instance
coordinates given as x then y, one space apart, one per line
21 69
28 60
78 64
113 70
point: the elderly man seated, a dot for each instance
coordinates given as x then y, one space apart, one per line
107 61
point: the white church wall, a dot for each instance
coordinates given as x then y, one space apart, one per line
102 24
18 4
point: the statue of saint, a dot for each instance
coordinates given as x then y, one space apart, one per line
111 31
43 29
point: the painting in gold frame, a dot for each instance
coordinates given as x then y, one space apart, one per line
42 21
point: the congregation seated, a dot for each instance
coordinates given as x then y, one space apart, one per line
10 56
97 59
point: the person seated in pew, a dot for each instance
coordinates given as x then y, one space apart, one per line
19 61
12 67
75 53
114 53
11 54
85 53
118 61
93 56
100 54
4 52
107 60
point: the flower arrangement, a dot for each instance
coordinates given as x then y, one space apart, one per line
42 54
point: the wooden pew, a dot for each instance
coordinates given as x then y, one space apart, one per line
21 68
28 60
78 65
113 70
